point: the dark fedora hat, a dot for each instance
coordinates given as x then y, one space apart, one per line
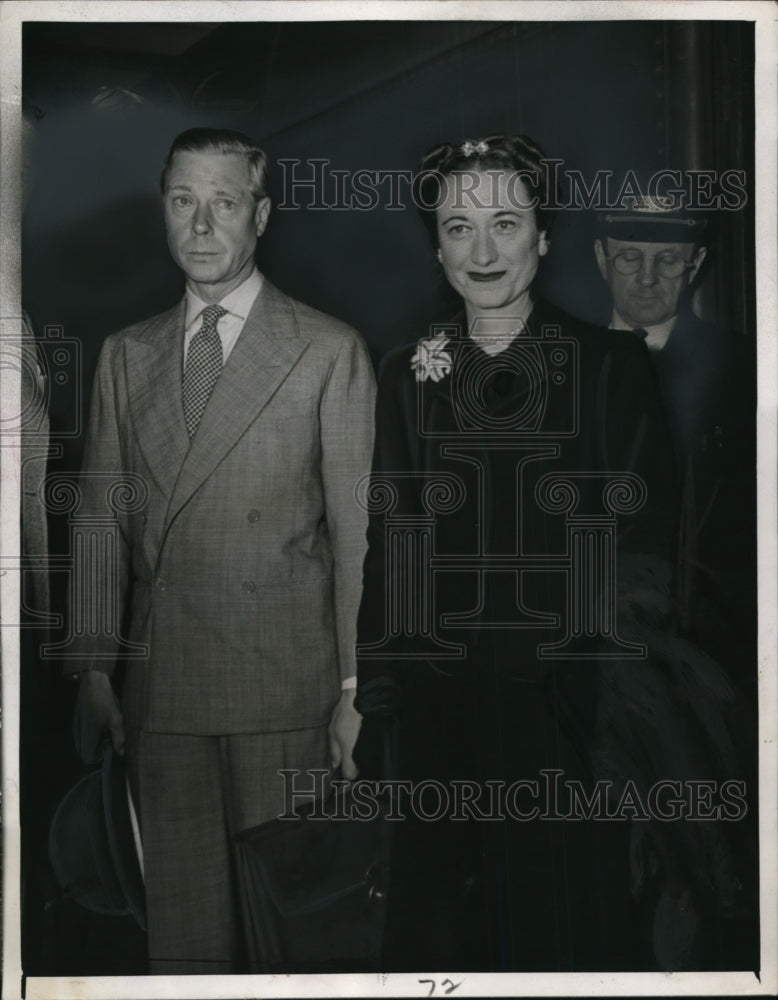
653 219
94 845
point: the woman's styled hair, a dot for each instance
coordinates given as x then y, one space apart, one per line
222 140
517 154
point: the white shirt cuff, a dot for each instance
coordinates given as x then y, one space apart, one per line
349 683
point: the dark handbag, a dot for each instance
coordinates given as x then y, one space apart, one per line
313 890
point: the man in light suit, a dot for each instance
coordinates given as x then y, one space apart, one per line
248 417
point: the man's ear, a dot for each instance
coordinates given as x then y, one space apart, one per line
602 261
699 257
261 213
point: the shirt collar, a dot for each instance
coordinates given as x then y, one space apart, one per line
238 303
656 336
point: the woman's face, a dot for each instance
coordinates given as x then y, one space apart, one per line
489 239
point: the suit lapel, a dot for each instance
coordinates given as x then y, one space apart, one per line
154 364
268 347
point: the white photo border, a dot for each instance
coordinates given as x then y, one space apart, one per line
12 15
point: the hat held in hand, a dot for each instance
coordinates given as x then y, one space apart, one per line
94 844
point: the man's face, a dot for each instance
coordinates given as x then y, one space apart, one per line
212 220
646 298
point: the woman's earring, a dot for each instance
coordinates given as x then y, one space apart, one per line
440 255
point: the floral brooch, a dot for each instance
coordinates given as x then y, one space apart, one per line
431 360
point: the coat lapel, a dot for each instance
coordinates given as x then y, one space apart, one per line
154 360
268 347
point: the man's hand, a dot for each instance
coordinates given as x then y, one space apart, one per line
343 732
97 714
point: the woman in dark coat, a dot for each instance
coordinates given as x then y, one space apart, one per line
521 503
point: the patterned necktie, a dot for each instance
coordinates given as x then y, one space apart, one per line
203 367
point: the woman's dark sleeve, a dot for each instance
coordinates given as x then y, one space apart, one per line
391 492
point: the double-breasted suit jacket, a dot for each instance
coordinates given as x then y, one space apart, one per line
240 565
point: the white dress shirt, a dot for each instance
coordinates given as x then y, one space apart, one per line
238 305
656 336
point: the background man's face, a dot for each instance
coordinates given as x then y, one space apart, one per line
645 298
212 220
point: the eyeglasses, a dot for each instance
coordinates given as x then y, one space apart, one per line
668 264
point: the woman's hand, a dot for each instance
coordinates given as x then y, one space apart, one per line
343 732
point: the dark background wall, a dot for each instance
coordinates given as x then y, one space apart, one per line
363 95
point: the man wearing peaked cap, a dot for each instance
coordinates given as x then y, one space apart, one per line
650 253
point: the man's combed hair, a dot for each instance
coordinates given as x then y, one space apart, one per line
222 140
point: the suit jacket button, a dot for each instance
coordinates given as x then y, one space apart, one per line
253 515
248 586
161 584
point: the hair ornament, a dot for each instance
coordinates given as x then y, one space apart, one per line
472 148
